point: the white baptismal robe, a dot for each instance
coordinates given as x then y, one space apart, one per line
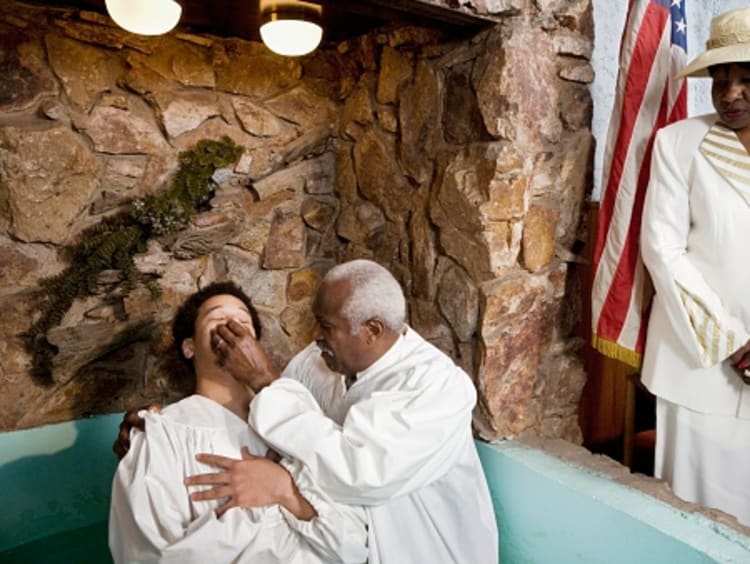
152 518
398 441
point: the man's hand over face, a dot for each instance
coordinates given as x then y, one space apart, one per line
241 354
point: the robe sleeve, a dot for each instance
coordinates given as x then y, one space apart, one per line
339 532
146 515
696 312
390 444
306 367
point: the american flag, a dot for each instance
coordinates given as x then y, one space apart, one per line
652 51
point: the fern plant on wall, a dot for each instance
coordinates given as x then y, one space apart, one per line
112 243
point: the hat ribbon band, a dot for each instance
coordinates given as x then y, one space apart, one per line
727 39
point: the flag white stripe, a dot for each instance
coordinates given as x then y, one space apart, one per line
630 329
618 231
628 46
677 60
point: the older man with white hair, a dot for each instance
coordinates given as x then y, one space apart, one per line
379 417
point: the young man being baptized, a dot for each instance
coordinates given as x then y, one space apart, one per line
152 517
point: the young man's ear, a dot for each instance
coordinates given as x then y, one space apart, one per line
188 348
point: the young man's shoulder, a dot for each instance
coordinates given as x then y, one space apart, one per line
306 363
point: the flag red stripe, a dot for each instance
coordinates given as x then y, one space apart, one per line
648 98
679 110
654 20
620 292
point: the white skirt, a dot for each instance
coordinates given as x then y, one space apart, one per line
705 458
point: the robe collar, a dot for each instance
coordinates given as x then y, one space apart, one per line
384 360
723 149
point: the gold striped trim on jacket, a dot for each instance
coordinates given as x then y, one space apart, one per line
723 149
731 149
714 341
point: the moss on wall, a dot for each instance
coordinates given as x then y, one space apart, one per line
112 243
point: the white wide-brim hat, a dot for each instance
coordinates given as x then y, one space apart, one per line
729 42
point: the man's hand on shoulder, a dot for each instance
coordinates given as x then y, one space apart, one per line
253 481
131 420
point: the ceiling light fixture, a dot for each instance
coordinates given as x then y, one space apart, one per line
290 28
145 17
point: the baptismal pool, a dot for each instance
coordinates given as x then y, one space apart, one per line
55 483
84 545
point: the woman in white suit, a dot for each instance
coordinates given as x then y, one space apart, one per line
695 242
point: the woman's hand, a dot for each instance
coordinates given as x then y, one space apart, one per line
741 362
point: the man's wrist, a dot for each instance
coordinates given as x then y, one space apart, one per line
298 505
287 495
270 376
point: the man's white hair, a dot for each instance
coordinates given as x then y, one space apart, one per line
374 293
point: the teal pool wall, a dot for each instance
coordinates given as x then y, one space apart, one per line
55 481
550 511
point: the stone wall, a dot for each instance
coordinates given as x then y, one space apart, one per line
459 165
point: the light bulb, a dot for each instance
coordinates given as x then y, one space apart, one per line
291 28
145 17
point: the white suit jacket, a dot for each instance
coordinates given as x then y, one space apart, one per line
695 242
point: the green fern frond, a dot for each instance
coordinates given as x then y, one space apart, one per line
112 243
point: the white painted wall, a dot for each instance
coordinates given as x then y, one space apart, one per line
609 20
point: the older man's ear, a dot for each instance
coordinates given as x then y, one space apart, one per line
375 329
